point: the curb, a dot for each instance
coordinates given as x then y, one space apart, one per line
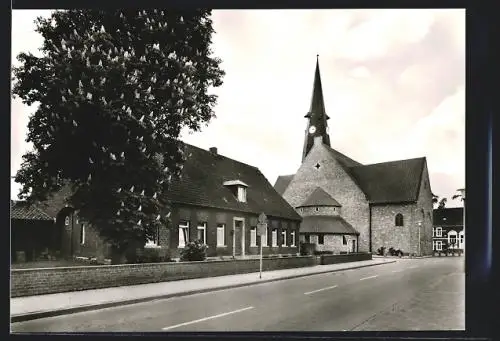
73 310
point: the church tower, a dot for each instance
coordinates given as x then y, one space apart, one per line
316 117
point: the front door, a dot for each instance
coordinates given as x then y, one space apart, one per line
239 237
353 245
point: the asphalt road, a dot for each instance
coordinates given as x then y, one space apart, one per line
346 300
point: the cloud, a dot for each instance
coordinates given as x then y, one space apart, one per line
393 83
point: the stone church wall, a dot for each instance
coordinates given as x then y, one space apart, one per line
333 179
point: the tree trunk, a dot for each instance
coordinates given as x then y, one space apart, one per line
118 255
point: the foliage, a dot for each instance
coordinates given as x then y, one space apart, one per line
381 251
194 251
307 249
112 91
149 255
442 203
394 252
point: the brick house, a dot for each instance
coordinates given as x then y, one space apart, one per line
385 204
448 233
216 200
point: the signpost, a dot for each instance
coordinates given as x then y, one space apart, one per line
261 230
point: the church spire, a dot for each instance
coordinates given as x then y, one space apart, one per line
317 118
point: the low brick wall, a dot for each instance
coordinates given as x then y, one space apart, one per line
28 282
351 257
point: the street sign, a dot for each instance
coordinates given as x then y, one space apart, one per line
261 229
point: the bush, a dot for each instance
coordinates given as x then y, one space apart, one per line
394 252
307 249
148 255
194 251
381 251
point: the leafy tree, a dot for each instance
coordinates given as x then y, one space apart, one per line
113 90
458 196
442 203
435 199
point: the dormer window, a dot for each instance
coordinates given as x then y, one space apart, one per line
242 194
238 188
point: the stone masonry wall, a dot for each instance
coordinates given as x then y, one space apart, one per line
319 210
332 178
334 243
425 202
386 233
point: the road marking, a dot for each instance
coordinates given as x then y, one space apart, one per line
207 318
412 267
397 270
362 279
322 289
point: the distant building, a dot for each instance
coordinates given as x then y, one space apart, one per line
217 200
347 206
448 231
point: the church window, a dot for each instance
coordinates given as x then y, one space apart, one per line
317 209
317 166
399 219
66 221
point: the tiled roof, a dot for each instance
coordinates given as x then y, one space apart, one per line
382 183
448 216
202 181
320 198
282 183
23 211
326 224
389 182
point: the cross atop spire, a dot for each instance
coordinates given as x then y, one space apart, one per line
317 117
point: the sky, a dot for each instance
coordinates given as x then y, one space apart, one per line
393 82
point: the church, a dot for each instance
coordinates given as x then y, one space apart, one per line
347 206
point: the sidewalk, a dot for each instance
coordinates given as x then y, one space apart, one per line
33 307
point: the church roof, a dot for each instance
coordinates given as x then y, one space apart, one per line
320 198
453 216
202 184
282 183
390 182
383 183
326 224
21 210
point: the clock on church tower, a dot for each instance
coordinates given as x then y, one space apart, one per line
312 130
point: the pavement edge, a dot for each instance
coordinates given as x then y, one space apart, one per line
73 310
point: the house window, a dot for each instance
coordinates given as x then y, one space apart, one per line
202 233
308 238
183 233
264 238
438 245
283 238
292 236
242 194
274 237
344 240
156 239
66 221
399 219
439 232
321 239
452 239
221 234
82 235
253 236
461 235
314 239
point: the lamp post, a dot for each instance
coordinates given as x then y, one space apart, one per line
462 194
419 241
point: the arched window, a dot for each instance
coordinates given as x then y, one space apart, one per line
399 219
66 221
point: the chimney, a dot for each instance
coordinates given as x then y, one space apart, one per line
318 140
213 150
